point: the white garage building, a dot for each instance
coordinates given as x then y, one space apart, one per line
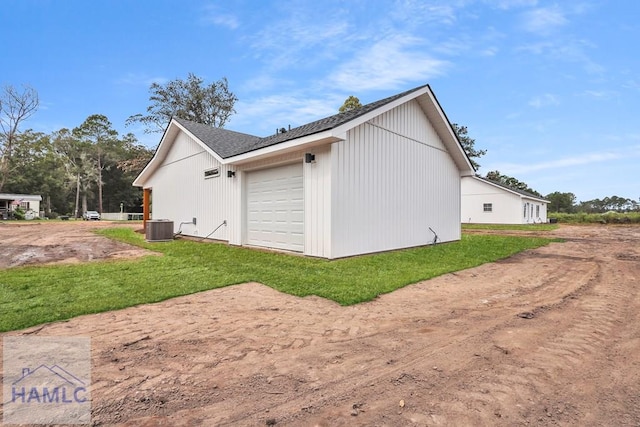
377 178
487 202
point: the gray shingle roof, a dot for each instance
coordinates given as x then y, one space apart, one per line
515 190
222 141
228 143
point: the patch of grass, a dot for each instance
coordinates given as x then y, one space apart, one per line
517 227
34 295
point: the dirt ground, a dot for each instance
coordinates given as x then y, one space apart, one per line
40 242
547 337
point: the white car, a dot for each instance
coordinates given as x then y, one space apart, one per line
91 215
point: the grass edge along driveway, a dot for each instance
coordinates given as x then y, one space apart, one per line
39 294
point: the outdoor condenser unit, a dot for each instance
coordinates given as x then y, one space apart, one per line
159 230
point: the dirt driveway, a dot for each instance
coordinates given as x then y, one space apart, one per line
547 337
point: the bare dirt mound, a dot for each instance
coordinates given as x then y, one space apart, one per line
60 242
547 337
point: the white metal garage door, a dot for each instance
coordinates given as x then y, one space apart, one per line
275 208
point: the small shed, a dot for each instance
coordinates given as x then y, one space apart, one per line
381 177
488 202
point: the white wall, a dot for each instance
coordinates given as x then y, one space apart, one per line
317 204
507 207
180 191
536 211
392 179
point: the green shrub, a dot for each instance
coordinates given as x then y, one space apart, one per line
597 218
18 213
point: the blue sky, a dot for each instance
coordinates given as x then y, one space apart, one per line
551 89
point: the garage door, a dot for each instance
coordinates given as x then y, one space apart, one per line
275 208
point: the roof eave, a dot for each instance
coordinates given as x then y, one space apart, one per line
502 187
443 128
305 142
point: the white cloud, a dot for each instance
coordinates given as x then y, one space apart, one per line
544 100
302 38
140 79
544 20
601 94
276 111
580 159
416 12
511 4
213 15
388 64
489 51
567 50
632 84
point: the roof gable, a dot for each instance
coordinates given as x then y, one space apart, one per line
229 146
228 143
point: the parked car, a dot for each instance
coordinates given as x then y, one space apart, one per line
91 215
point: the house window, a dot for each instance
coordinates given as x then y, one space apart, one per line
211 173
487 207
24 206
525 210
538 210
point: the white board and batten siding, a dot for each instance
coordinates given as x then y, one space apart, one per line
180 191
392 179
317 203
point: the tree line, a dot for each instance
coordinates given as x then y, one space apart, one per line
89 167
92 166
566 203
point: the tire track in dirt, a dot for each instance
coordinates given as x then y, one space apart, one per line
575 342
545 293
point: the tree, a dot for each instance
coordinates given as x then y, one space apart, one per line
561 202
36 169
351 103
78 165
468 144
131 159
510 182
188 99
97 132
15 107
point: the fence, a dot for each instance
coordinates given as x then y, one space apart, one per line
121 216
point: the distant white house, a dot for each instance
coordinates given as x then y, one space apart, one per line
380 177
487 202
27 202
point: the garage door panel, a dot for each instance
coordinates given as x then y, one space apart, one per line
275 208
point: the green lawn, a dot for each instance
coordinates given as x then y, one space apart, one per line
34 295
517 227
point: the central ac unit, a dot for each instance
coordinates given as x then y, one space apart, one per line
159 230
